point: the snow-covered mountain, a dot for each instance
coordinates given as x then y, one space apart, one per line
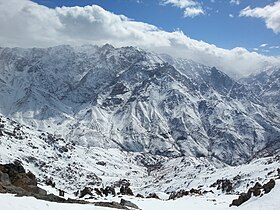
92 116
135 101
266 84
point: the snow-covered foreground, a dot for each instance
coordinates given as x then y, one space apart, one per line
210 202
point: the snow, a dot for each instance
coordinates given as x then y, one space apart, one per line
9 202
182 118
268 201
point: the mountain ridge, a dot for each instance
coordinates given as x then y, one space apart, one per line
136 101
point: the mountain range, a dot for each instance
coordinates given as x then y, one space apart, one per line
101 113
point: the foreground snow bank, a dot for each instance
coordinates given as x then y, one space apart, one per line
9 202
210 202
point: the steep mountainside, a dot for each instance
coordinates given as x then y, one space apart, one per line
266 84
135 101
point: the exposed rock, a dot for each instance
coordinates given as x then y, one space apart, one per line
61 192
101 163
153 195
122 182
128 204
108 190
125 190
256 190
110 205
50 182
4 178
268 186
14 180
195 191
179 194
85 191
243 197
98 192
223 184
139 196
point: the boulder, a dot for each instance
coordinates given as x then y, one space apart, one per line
256 190
268 186
243 197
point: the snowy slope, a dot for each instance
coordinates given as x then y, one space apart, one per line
266 84
136 101
90 116
74 167
209 202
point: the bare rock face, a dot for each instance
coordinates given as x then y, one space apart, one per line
14 179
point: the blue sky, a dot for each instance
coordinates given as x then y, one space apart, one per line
215 26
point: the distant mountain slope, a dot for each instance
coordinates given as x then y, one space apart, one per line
136 101
266 84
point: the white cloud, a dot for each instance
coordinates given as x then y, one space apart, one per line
270 14
263 45
231 15
181 3
191 8
24 23
236 2
192 12
274 47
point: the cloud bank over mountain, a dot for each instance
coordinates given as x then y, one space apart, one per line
27 24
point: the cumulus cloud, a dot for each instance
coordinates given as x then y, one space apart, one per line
192 12
270 14
191 8
24 23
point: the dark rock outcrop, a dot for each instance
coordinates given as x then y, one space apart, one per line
153 195
268 186
86 191
15 180
243 197
139 196
256 191
125 190
111 205
223 184
128 204
179 194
